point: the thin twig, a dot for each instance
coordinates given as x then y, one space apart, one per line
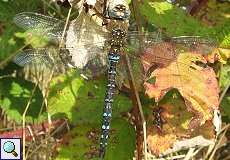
5 76
145 140
189 154
46 92
136 98
211 147
219 142
10 57
24 122
197 151
224 128
224 91
64 31
46 97
54 132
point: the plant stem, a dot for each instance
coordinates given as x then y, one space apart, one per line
24 123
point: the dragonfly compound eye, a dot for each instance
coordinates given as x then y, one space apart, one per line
120 7
119 11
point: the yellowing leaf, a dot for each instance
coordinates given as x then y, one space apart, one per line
33 39
160 143
219 54
175 128
181 70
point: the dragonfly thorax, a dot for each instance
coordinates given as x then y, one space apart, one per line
118 37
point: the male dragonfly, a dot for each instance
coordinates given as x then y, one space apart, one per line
87 44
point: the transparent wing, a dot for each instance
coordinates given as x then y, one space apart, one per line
180 63
86 40
203 45
47 57
152 51
93 56
138 44
37 56
139 41
40 24
90 65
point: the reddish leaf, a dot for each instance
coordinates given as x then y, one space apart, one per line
179 68
219 54
175 130
34 130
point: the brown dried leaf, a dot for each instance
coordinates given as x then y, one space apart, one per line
218 54
158 144
175 134
177 69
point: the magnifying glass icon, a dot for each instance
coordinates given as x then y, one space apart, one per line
9 147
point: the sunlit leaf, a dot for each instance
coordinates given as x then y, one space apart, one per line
32 39
75 98
219 54
85 139
169 17
225 104
224 78
197 84
160 143
175 128
15 94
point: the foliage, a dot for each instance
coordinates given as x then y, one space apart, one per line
87 148
81 101
169 18
183 74
72 95
7 12
175 125
15 94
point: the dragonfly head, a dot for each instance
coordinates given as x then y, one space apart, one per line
118 10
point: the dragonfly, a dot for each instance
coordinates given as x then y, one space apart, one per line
89 47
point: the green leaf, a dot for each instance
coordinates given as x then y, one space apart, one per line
76 144
80 100
224 78
122 141
217 15
7 12
8 41
225 105
14 96
176 22
79 146
82 103
173 19
31 38
223 34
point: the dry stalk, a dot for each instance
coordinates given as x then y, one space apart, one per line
225 129
24 123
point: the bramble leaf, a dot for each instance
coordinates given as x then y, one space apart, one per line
197 84
175 127
15 94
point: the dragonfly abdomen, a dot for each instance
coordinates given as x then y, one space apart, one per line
113 57
107 112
